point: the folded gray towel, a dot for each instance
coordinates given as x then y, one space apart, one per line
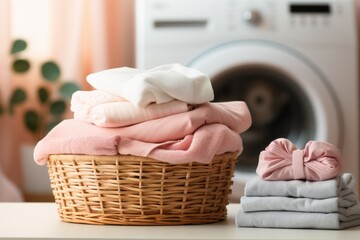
336 187
343 204
330 204
288 219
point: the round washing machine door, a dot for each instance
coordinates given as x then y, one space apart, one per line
287 95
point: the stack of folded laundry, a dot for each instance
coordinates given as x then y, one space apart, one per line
299 189
163 113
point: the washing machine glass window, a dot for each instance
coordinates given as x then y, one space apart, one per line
287 95
278 106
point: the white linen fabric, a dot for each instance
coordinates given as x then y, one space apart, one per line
158 85
344 204
337 187
327 204
120 114
290 219
82 102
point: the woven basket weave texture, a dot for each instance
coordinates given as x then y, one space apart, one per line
131 190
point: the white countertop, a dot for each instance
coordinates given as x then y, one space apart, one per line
40 220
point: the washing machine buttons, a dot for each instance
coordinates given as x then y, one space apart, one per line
252 17
310 21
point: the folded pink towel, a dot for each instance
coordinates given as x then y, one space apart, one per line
214 125
120 114
78 137
82 102
234 115
281 160
107 110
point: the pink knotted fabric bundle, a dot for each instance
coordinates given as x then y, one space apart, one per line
281 160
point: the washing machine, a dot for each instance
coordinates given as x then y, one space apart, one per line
294 62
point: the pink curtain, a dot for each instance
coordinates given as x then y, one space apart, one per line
82 36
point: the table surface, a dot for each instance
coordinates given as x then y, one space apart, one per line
40 220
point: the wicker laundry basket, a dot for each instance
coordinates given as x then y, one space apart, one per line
130 190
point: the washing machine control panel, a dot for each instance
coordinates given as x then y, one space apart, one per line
315 15
306 8
297 19
202 24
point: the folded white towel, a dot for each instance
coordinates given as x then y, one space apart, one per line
289 219
329 204
337 187
158 85
120 114
82 102
344 205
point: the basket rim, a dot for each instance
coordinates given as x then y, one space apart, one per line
84 157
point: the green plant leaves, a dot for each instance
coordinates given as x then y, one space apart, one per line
67 89
57 107
18 45
21 65
43 94
17 97
50 71
32 121
36 120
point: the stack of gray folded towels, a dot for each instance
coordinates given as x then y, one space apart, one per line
299 189
329 204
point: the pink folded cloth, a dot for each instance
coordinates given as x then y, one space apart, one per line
82 102
281 160
214 125
107 110
84 138
120 114
235 115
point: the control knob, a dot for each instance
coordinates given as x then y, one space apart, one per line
252 16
